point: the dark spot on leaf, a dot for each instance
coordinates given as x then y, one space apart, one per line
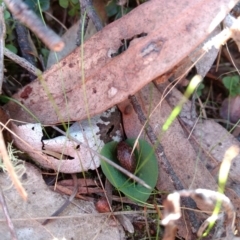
153 46
208 166
24 176
70 65
26 92
128 109
110 130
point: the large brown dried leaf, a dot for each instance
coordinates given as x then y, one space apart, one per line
174 28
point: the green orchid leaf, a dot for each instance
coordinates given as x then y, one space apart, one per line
147 170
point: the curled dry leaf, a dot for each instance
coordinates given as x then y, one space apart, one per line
60 153
170 30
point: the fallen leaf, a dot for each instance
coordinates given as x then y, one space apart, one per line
81 218
172 28
72 157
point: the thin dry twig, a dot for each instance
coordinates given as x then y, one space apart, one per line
22 62
7 217
26 48
21 12
87 6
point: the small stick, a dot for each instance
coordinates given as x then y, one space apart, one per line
87 5
164 161
22 62
6 214
21 11
67 202
26 50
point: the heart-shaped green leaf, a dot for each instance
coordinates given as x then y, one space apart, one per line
147 170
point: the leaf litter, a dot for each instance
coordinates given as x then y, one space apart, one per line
141 69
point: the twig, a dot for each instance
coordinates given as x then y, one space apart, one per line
124 171
87 5
7 217
2 43
164 161
10 168
56 20
22 62
24 45
82 30
67 202
21 12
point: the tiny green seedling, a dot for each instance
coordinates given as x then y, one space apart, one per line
232 83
